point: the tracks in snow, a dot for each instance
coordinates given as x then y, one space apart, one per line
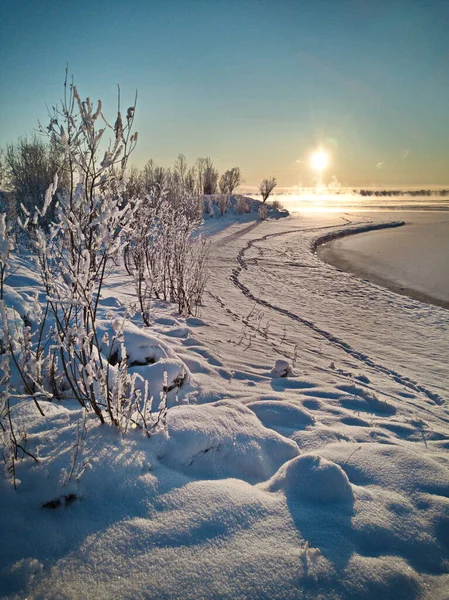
332 339
234 236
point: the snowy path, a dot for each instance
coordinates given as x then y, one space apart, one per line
242 265
277 270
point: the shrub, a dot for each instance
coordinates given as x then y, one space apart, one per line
86 233
277 205
164 257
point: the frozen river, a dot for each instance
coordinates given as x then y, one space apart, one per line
412 260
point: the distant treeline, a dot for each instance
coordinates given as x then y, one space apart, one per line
402 192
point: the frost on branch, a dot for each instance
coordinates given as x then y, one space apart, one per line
162 254
90 225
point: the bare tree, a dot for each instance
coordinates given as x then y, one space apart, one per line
180 169
134 184
190 181
210 179
155 182
207 176
7 201
230 179
266 187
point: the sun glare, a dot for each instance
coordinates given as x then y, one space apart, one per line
319 160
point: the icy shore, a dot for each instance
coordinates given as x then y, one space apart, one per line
413 261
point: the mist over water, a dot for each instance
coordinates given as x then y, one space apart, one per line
322 202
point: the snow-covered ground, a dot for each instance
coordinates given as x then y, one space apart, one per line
331 482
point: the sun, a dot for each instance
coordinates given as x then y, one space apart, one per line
319 160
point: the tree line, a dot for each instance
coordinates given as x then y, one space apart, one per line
27 169
413 193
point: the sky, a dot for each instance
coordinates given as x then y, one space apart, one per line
257 84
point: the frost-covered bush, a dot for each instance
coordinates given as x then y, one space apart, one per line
63 350
11 439
208 206
242 205
163 256
159 185
6 246
88 231
60 349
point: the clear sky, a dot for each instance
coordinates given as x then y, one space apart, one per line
253 83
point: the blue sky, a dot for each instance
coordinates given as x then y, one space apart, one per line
253 83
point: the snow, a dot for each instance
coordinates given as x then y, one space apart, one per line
332 482
224 440
310 478
281 414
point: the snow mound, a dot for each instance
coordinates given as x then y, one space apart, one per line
223 440
311 478
178 332
169 375
282 368
195 322
157 366
281 414
142 347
